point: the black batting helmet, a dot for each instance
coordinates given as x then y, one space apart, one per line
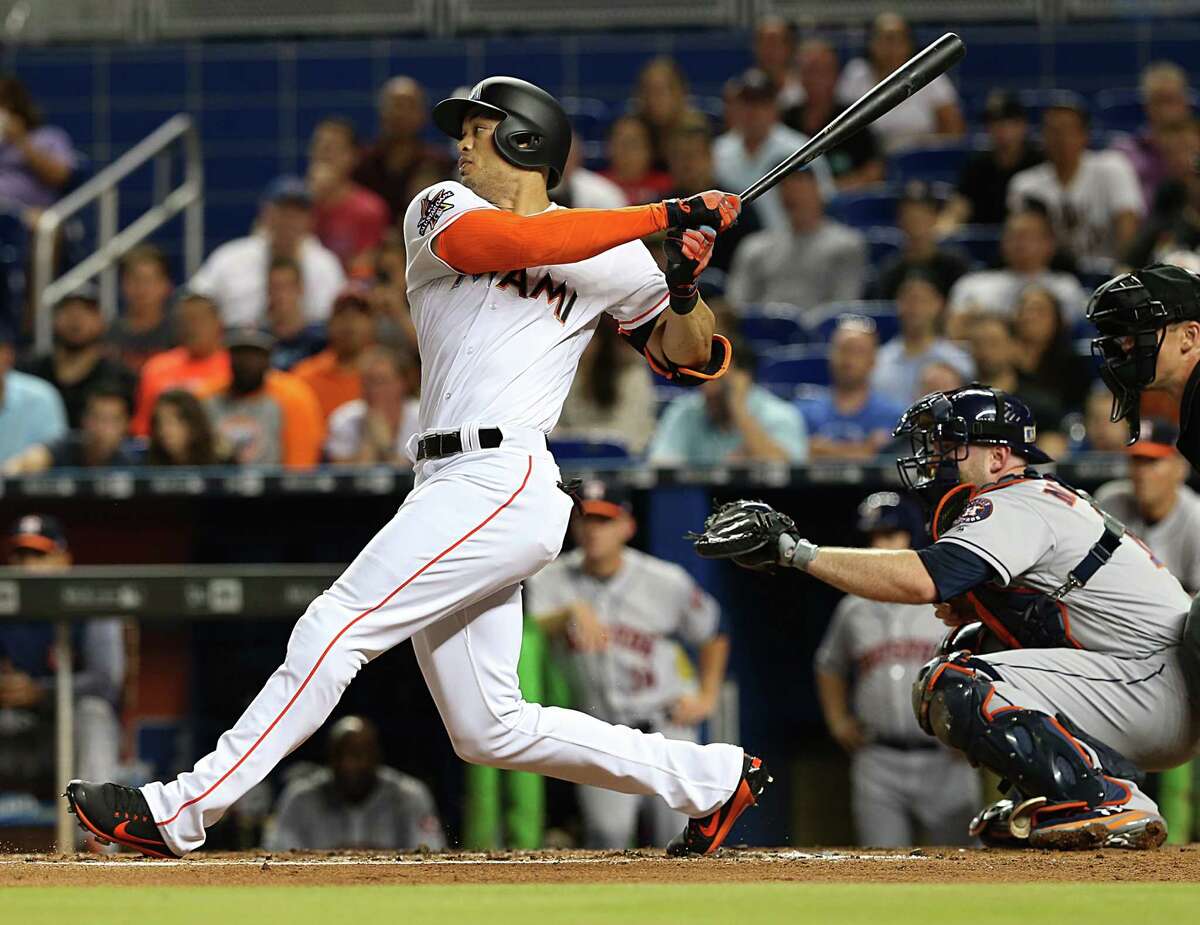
1131 313
533 132
943 424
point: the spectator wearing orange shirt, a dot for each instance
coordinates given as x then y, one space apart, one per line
349 219
199 365
334 373
265 416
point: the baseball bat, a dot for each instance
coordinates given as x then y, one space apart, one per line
885 96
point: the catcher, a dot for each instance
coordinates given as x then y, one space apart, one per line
1061 672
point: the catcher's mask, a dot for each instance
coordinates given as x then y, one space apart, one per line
1132 312
943 425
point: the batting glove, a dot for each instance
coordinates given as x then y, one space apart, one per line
688 253
711 209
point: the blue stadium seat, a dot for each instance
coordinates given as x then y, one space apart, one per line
822 321
771 325
867 207
931 163
1120 110
982 242
588 449
782 369
590 117
882 243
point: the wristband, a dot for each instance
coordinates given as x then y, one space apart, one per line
796 552
683 304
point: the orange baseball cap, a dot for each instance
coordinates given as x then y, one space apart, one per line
1156 440
601 500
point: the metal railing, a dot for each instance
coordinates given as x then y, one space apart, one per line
112 243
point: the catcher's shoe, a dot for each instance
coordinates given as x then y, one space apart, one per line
113 813
1080 828
993 826
705 835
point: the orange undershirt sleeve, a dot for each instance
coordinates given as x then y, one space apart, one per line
490 240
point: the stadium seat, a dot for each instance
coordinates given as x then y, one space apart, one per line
782 369
865 208
822 321
589 116
981 242
771 325
931 163
588 449
882 243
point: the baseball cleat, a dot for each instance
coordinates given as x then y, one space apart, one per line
1102 827
116 814
704 835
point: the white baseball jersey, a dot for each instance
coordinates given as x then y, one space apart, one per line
1175 539
882 646
1033 532
502 348
645 606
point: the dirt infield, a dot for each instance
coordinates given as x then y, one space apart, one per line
928 866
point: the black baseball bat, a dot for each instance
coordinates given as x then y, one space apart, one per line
886 95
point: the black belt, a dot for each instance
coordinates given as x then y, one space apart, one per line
436 446
905 745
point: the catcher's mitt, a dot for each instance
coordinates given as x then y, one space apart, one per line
747 532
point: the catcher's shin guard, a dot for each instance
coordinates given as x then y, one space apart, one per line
953 699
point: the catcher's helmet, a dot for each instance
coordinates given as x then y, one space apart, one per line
943 424
533 132
886 511
1131 312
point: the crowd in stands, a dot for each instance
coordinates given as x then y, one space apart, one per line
850 288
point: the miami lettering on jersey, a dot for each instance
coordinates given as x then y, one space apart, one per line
559 295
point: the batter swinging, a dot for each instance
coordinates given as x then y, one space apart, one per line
505 290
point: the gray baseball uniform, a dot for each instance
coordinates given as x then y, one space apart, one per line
646 607
1120 680
901 778
1175 539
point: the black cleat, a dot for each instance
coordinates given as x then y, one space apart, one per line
113 813
705 835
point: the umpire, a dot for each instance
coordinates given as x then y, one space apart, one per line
1148 327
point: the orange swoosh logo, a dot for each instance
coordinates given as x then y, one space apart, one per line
708 831
119 832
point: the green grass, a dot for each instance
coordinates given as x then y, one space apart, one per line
618 904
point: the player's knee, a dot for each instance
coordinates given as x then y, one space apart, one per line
487 736
948 697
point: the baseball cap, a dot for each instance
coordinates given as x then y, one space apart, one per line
757 86
885 511
921 192
39 532
249 337
1156 439
287 189
1003 104
1067 99
86 293
602 500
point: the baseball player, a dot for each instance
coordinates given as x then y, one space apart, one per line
616 614
1068 682
505 290
900 778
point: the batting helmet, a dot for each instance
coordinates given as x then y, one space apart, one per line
943 424
1131 312
533 132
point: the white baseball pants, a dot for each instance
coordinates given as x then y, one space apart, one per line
446 570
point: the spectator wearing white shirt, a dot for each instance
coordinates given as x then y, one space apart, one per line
920 307
376 428
760 143
1093 198
931 115
235 274
811 262
1026 248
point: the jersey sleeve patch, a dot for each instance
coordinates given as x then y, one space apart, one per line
434 204
976 509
